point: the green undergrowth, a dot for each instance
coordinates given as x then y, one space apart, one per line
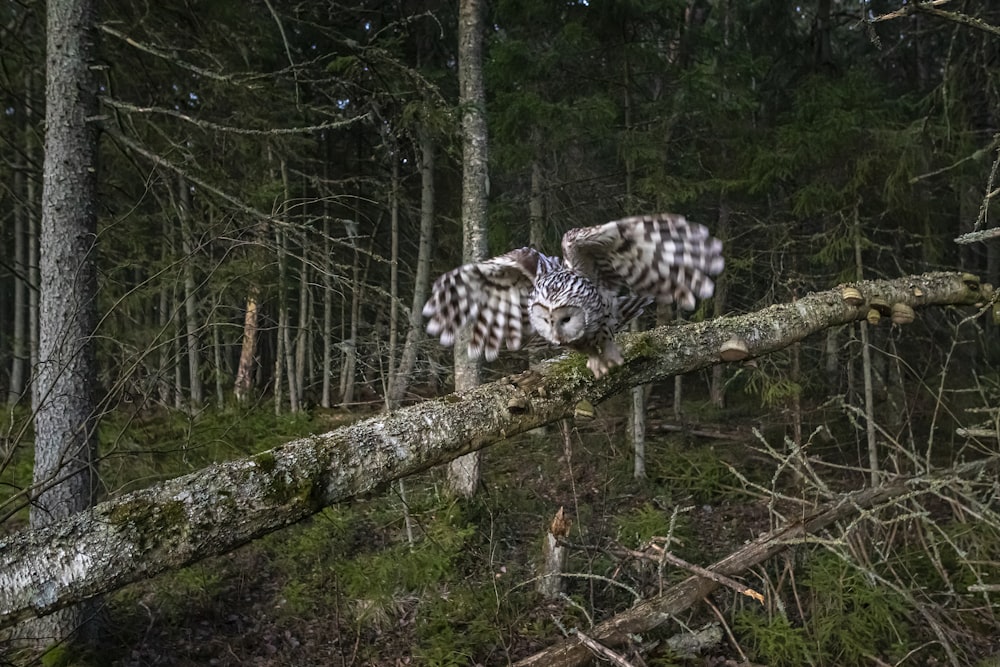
843 606
845 618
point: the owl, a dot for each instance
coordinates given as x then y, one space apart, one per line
608 274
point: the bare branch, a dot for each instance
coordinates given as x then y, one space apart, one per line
933 8
209 125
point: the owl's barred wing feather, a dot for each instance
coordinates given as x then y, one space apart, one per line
492 295
662 256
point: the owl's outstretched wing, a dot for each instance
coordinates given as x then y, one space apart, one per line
493 295
662 256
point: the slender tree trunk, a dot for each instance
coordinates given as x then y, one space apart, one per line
421 280
831 354
25 321
393 276
220 392
31 198
19 356
190 300
328 269
536 239
536 207
301 342
64 480
718 386
244 374
463 473
164 322
866 368
279 348
286 316
351 343
289 363
637 423
176 346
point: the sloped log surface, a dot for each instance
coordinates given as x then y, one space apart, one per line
220 507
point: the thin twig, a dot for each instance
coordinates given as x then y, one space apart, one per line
703 572
729 633
905 11
602 651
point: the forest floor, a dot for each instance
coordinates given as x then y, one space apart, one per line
346 588
350 587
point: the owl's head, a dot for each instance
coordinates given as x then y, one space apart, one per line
559 323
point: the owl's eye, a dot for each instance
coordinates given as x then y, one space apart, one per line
564 320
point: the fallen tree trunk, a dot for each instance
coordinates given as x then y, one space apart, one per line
656 611
221 507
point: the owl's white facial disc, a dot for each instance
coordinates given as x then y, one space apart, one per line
560 325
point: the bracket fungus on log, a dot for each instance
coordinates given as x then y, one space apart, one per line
902 314
852 296
734 349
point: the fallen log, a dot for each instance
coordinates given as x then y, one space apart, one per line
220 507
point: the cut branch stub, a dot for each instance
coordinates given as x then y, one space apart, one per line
971 281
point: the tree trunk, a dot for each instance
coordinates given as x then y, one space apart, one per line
19 338
536 239
64 480
284 329
279 346
190 300
390 380
325 399
350 344
218 508
536 208
866 369
463 473
717 390
31 195
220 392
637 427
421 280
288 348
301 336
163 323
244 374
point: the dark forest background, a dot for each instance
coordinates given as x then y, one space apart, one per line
271 170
